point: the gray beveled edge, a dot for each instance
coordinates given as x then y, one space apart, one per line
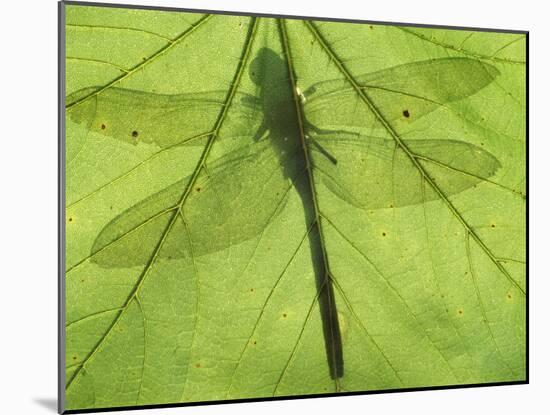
286 16
61 209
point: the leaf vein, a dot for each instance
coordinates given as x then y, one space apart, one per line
238 74
413 157
142 64
464 51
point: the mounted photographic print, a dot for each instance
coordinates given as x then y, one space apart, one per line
259 207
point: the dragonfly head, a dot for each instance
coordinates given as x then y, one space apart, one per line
267 67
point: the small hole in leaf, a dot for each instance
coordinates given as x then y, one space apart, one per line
284 315
198 189
254 342
509 295
406 114
103 126
383 233
70 219
492 225
460 312
252 290
135 133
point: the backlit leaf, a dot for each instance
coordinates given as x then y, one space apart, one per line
261 207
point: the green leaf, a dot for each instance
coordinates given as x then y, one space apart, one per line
261 207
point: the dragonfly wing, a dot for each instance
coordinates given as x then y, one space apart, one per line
135 117
374 173
234 199
404 92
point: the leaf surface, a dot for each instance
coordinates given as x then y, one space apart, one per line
261 207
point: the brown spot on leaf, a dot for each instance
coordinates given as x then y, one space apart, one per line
406 113
198 365
284 315
103 126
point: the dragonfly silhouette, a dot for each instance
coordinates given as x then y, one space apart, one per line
246 183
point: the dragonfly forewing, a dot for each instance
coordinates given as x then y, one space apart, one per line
401 93
164 120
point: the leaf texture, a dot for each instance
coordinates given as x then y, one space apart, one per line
265 207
